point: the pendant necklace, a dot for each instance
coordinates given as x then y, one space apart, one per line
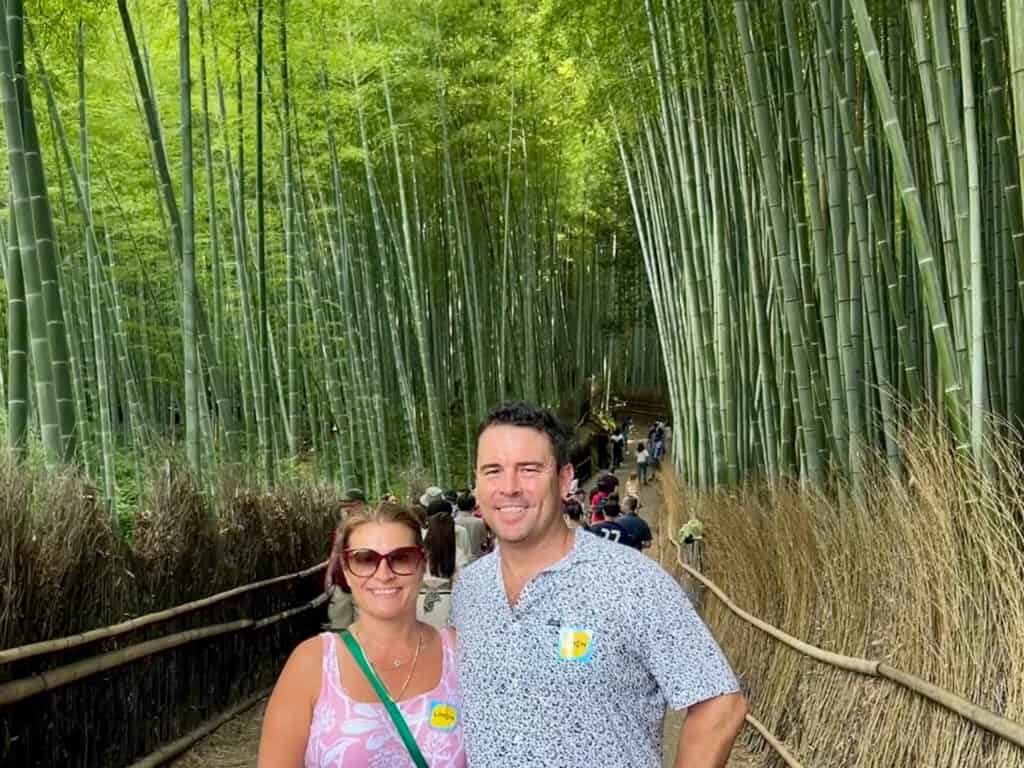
412 668
391 664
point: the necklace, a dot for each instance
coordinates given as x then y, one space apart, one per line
412 668
391 664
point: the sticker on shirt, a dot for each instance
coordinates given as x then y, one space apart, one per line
575 644
443 716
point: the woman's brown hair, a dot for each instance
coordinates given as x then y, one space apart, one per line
440 545
383 513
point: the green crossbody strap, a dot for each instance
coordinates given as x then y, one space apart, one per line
396 716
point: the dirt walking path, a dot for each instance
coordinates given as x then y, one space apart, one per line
650 510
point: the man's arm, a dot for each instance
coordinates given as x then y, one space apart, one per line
710 728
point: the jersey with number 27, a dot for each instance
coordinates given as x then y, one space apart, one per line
613 532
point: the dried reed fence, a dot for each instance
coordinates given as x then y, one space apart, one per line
64 572
926 574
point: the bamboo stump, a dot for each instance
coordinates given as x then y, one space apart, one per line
692 553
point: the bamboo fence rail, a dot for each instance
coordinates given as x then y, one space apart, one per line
16 690
773 742
990 721
104 633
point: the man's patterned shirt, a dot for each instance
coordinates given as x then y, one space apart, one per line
580 671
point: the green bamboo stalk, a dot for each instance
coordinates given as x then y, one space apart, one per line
46 398
1015 45
812 454
193 429
46 254
978 295
17 346
289 246
949 372
438 440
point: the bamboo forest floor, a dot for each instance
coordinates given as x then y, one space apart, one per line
235 744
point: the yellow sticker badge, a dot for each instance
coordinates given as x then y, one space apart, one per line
575 644
443 716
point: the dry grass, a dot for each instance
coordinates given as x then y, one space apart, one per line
64 570
927 573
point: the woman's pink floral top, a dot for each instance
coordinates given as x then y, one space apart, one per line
346 733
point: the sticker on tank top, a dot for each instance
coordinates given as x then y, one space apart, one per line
444 716
575 644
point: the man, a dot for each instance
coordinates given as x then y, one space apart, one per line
561 632
476 531
340 608
618 441
637 528
609 528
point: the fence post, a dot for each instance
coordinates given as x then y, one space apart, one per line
692 554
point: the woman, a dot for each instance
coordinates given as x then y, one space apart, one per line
641 463
435 600
324 711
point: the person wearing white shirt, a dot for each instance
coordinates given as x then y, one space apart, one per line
476 530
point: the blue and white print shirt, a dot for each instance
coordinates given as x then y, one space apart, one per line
580 671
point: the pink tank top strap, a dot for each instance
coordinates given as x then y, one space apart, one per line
330 678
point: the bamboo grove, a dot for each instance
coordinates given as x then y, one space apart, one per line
827 199
337 257
295 233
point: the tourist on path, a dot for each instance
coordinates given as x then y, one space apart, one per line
340 608
435 600
637 528
609 527
642 460
570 647
325 712
476 530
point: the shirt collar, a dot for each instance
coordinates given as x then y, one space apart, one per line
585 548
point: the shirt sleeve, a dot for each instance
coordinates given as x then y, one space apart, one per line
677 647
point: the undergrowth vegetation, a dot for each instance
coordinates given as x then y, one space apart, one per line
64 570
926 574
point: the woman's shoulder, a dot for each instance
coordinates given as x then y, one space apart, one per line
309 654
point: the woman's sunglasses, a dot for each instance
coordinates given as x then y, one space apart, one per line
404 561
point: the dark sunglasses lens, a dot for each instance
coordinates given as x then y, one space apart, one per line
362 562
404 561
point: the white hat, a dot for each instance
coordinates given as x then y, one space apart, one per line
433 493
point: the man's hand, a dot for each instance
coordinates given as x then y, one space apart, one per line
709 730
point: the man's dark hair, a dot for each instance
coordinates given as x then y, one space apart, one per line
466 502
573 510
517 413
611 508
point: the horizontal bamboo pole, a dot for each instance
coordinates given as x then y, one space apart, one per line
773 742
169 751
105 633
990 721
16 690
318 600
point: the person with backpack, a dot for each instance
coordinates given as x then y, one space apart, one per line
637 528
